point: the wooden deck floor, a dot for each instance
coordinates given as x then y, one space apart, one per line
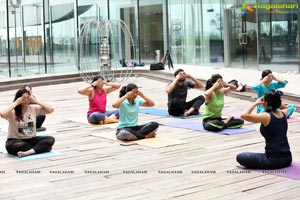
91 167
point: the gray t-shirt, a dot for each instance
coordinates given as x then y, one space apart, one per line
180 91
25 128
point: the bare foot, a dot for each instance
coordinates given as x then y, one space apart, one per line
228 119
109 120
41 129
239 89
26 153
113 116
151 135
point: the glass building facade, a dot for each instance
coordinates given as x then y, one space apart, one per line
40 36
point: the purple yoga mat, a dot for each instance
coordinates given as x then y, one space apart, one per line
237 114
164 113
197 126
293 119
292 171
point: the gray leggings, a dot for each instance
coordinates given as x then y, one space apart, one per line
136 132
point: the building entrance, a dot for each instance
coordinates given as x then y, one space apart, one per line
240 39
260 38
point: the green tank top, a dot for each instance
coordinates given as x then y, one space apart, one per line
213 108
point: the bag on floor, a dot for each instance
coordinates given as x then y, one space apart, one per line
157 66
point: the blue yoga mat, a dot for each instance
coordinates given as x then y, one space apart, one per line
31 157
34 156
197 126
164 113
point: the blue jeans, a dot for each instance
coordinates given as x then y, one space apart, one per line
96 117
262 161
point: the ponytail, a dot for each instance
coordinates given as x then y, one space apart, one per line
127 88
273 99
122 91
210 82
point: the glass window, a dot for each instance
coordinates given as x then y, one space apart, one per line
61 36
3 40
125 10
185 30
151 30
213 50
89 41
33 51
15 39
278 36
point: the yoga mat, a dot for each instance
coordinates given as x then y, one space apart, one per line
31 157
157 142
237 114
83 120
293 119
292 172
164 113
35 156
197 126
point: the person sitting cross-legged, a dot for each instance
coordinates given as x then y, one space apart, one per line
212 114
273 127
131 98
97 93
177 94
21 115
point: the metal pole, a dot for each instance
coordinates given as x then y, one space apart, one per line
8 41
16 50
23 39
44 34
139 30
167 26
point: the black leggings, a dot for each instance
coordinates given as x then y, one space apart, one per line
177 108
40 144
263 161
217 124
136 132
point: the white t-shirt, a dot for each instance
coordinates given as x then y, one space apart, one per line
24 128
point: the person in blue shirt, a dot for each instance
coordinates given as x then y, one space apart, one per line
267 82
273 128
128 104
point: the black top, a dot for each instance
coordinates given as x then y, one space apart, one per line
275 135
180 92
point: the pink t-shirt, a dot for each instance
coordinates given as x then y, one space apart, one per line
98 103
24 128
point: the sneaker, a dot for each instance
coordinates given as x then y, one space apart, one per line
41 129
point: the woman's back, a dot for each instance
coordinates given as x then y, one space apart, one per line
275 134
